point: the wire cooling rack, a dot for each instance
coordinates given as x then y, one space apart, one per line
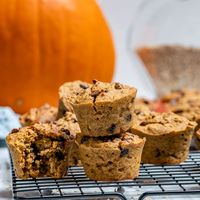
154 180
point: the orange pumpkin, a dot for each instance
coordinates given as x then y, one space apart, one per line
44 43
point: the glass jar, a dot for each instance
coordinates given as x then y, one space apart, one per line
165 35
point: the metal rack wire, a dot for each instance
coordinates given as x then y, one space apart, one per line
154 180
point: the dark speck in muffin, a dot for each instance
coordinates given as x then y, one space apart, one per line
66 131
94 81
83 86
15 130
123 152
118 86
59 155
128 117
95 93
112 128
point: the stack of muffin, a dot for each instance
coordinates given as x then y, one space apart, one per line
105 112
96 125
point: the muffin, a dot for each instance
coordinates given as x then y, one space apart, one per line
168 137
186 103
43 114
40 150
104 109
111 158
69 122
67 90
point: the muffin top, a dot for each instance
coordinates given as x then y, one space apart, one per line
183 94
70 122
115 141
103 92
31 133
72 88
43 114
152 123
189 109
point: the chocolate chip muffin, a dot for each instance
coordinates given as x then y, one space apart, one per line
43 114
111 158
40 150
104 109
168 137
69 122
174 100
67 90
186 103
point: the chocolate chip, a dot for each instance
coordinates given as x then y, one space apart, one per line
118 86
60 139
15 130
137 111
123 152
178 111
112 128
94 81
144 123
59 155
34 148
128 117
83 86
66 131
145 101
95 93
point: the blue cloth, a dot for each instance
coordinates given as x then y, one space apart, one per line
8 121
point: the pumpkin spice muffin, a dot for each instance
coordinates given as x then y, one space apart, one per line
69 121
186 103
43 114
40 150
67 90
168 137
176 98
110 158
104 109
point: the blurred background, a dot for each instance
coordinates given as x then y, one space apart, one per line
121 16
153 46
